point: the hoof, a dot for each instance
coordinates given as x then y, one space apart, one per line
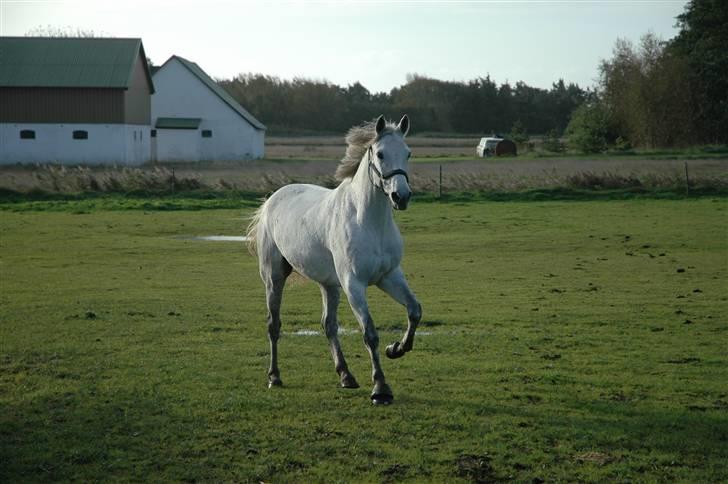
382 394
395 350
348 381
382 399
274 381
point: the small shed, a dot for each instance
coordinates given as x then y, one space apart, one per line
505 147
197 120
495 145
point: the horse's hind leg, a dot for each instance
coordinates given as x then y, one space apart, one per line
330 296
274 270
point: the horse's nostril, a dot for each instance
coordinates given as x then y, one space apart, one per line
395 197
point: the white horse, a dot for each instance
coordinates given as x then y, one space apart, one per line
343 238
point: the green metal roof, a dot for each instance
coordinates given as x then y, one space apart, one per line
177 123
219 91
69 62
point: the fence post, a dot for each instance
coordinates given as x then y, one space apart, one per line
439 185
687 180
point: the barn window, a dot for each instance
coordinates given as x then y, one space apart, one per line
27 134
207 133
154 133
80 134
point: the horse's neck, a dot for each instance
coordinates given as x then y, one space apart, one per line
370 200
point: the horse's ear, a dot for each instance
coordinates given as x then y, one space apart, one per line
381 123
404 125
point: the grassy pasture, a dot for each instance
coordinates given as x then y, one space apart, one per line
561 341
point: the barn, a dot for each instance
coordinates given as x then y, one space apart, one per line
74 100
197 120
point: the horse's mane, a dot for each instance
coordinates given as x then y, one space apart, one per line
358 140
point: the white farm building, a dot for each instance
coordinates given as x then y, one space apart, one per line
194 119
74 100
95 101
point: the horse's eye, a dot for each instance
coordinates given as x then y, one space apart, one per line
409 153
380 155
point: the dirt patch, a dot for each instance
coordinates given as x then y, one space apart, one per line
394 473
598 458
684 361
551 356
476 468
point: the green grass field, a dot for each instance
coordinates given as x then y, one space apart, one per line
561 341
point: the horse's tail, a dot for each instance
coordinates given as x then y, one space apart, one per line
252 234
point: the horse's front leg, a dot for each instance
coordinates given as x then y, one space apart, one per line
396 286
356 293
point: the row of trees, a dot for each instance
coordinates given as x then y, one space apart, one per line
662 94
654 94
477 106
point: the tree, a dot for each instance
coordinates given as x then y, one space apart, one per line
552 142
476 106
563 99
518 133
701 46
67 31
672 93
589 130
645 89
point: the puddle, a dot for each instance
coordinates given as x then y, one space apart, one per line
304 332
219 238
313 332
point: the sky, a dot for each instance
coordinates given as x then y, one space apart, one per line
377 43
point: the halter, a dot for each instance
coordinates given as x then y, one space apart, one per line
381 176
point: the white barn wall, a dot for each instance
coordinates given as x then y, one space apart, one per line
180 94
106 144
178 145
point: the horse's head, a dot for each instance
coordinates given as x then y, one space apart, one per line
388 162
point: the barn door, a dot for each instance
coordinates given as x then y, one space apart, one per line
139 147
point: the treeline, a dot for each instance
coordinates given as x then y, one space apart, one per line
656 94
476 106
662 94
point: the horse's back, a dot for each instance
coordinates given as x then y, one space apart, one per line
291 202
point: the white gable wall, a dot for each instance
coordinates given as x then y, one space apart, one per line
180 94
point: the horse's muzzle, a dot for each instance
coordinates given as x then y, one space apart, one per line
400 202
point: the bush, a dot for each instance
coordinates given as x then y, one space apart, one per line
552 142
518 133
589 128
622 144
